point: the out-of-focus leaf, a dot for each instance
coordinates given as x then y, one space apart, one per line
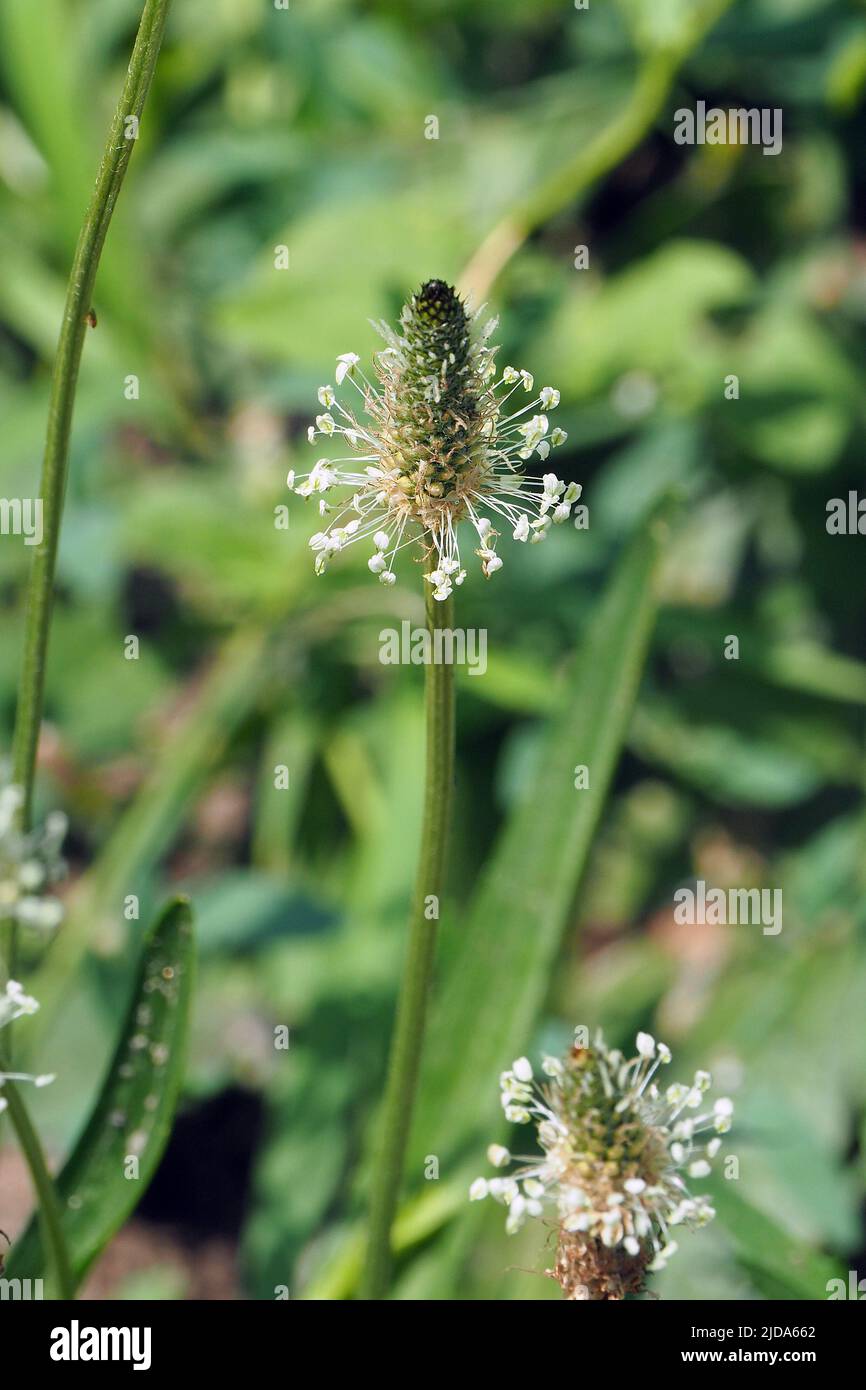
812 668
240 910
291 744
417 1220
798 393
151 822
611 327
667 23
100 711
304 1155
723 762
780 1265
404 236
662 457
38 62
792 1166
222 545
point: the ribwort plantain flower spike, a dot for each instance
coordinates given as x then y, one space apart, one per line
617 1150
440 442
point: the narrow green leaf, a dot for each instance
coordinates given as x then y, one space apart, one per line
781 1265
133 1114
292 743
500 967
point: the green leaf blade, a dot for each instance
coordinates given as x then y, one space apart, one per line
781 1265
99 1185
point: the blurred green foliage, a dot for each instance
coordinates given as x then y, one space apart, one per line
305 128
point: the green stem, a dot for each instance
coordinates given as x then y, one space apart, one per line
49 1207
407 1041
79 295
52 489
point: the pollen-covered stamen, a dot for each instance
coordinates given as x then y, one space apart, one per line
613 1165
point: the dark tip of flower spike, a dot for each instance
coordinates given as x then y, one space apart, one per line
438 304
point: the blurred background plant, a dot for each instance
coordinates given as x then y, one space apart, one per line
306 129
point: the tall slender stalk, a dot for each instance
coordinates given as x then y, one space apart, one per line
118 150
50 1213
40 591
411 1016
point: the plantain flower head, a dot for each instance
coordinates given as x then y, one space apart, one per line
618 1152
441 438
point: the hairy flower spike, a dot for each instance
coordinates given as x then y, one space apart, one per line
433 402
437 447
616 1152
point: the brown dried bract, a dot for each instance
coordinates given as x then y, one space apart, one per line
588 1271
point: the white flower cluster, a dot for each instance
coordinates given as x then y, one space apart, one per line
394 496
14 1003
617 1150
29 864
